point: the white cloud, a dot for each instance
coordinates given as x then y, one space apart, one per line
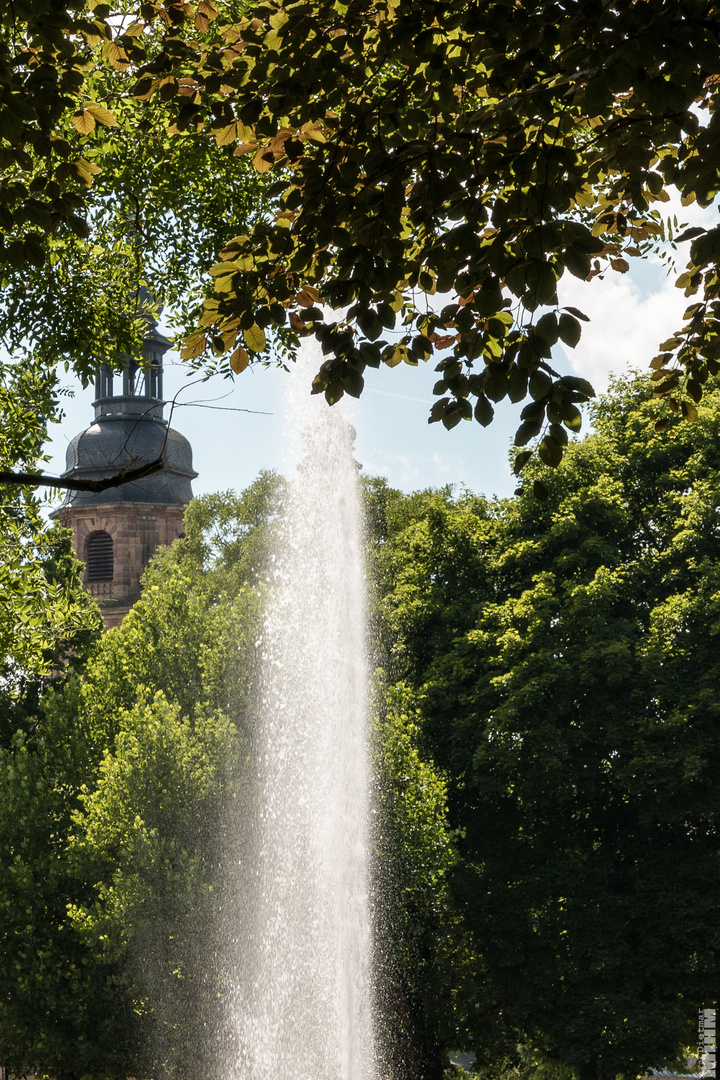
631 314
412 471
625 325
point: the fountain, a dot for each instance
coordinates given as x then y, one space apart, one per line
301 1000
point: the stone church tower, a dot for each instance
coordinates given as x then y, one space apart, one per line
116 531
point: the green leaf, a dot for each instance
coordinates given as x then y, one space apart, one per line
550 452
539 385
517 383
570 330
255 338
484 411
527 431
353 383
577 385
521 461
577 313
438 410
496 385
547 327
394 355
571 415
578 263
541 282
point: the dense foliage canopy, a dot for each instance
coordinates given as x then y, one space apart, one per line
440 167
98 204
548 748
125 801
563 660
399 180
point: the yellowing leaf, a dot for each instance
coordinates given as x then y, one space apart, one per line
205 14
83 122
115 56
85 171
226 135
239 360
308 296
231 266
187 87
193 347
443 341
398 354
220 269
314 132
143 89
255 338
101 114
277 144
263 160
279 19
245 133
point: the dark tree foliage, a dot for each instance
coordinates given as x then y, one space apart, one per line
425 175
440 167
98 202
569 693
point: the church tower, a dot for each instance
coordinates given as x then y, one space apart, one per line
116 532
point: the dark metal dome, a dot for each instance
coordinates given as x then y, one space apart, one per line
112 444
129 431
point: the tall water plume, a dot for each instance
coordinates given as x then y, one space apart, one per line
302 1005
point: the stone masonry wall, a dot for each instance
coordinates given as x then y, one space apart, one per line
137 531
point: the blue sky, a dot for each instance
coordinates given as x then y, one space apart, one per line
630 315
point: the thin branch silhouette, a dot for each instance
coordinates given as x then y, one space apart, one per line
126 475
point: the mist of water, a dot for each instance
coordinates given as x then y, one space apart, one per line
302 1001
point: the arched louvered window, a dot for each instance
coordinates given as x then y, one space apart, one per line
99 561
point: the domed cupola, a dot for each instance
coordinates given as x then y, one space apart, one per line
116 531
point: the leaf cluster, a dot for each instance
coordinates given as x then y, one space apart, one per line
438 170
568 694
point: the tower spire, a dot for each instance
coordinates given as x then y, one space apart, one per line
116 532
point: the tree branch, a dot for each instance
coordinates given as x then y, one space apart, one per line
117 480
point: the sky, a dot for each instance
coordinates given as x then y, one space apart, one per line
630 314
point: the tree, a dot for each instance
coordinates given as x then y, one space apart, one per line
136 920
468 154
151 843
53 1008
428 177
192 638
48 627
119 807
570 698
47 622
149 889
420 938
96 203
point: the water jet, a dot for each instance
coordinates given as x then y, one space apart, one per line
301 1000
